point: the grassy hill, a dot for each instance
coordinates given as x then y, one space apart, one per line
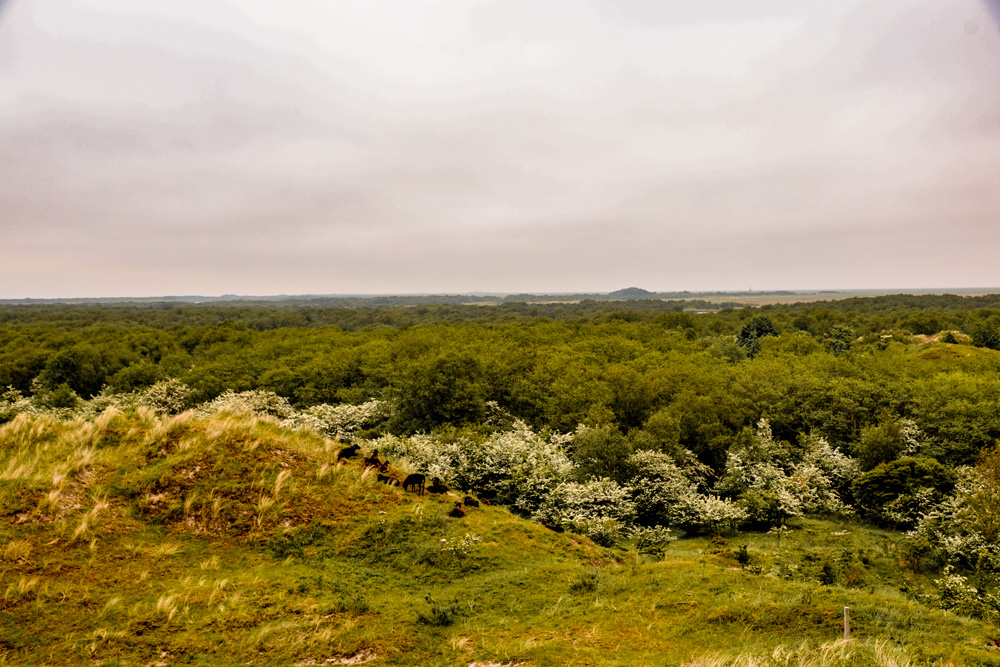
144 539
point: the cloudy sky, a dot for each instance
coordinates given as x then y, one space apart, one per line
322 147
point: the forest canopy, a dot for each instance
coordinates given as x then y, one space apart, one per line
656 374
614 419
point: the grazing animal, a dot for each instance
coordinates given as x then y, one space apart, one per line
387 478
348 452
436 486
470 501
373 460
457 512
416 480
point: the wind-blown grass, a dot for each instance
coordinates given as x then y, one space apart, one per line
229 540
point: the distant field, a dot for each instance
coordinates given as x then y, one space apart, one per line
765 298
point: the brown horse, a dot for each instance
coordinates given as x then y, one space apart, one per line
415 480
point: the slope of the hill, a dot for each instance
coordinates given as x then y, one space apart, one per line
142 539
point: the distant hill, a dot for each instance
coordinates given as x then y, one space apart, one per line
632 293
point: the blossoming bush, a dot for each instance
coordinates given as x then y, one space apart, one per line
171 396
957 595
772 484
664 495
963 531
12 403
516 467
600 509
258 402
333 421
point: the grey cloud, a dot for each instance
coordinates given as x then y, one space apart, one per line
371 147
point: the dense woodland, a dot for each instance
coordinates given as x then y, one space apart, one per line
614 419
651 371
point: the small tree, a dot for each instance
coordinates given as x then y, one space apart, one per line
839 339
750 334
898 492
986 334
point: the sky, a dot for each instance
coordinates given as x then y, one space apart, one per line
251 147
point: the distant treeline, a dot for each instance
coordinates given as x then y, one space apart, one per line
652 373
916 314
355 301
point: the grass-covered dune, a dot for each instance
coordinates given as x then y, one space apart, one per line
141 539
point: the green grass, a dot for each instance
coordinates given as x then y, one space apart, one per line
137 539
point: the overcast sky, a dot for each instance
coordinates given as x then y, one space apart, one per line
155 148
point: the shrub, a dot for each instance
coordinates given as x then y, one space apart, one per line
259 403
962 531
333 421
599 509
170 396
897 493
651 541
956 595
664 495
516 467
771 486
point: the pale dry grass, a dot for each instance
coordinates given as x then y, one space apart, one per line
831 654
164 549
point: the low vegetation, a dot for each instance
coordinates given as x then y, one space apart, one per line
145 538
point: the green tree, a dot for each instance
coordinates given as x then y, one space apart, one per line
447 389
885 441
601 451
898 492
78 367
749 336
838 340
986 334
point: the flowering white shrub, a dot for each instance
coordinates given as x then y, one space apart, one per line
961 530
705 513
912 437
12 403
664 495
955 594
422 453
332 421
814 492
516 467
838 468
600 509
771 486
172 396
256 402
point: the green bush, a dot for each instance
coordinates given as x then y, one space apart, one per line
898 492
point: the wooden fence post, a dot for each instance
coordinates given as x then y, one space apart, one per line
847 624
